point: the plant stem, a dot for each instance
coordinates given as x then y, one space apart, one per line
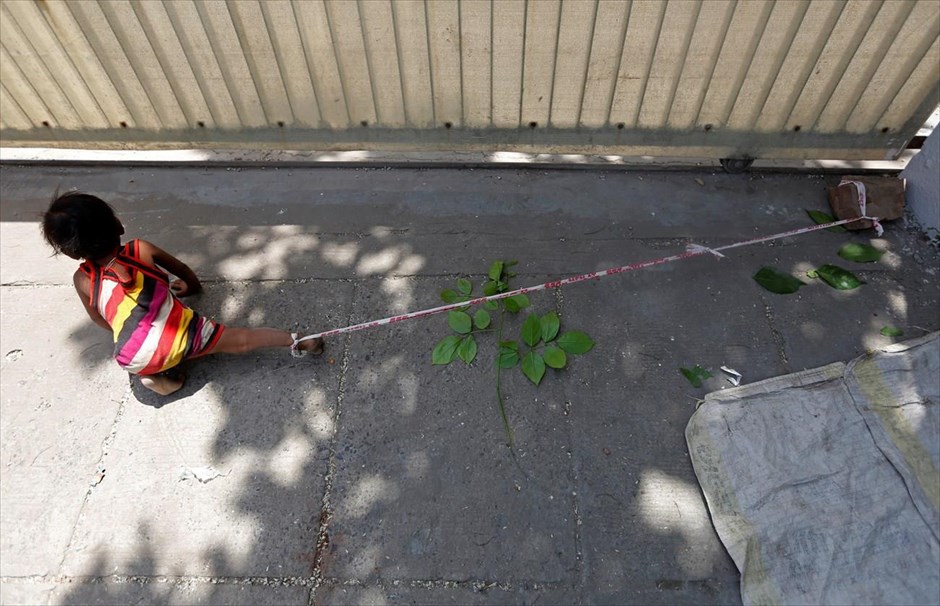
499 393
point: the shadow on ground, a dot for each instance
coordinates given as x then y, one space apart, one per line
369 476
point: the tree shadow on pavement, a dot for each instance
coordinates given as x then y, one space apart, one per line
367 473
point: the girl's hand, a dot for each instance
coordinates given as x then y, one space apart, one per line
186 283
182 289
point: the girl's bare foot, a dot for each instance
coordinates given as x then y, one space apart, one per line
164 383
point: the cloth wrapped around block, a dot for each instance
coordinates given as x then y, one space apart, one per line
880 197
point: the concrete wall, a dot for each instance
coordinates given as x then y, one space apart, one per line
923 184
842 79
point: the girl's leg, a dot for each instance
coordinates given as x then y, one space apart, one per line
243 340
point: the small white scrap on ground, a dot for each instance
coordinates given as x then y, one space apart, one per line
99 476
735 378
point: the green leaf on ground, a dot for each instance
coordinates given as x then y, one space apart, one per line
460 321
445 350
837 277
860 253
555 357
777 282
496 270
575 342
533 366
516 303
695 375
508 354
531 330
464 286
821 218
481 319
890 331
550 324
467 349
490 288
491 305
449 296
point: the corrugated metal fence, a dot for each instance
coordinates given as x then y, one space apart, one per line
849 79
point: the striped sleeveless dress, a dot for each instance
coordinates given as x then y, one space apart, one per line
153 330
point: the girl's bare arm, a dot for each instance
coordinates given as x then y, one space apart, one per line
189 284
83 288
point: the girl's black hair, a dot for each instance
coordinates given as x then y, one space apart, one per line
81 226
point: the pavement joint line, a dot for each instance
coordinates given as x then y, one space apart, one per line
573 472
99 468
323 538
219 280
574 477
159 579
559 297
475 584
778 338
285 581
26 284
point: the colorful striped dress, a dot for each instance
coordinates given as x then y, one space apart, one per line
153 330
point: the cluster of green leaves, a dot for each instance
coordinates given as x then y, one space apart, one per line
462 344
837 277
497 282
546 347
783 283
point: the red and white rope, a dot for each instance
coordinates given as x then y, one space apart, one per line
693 250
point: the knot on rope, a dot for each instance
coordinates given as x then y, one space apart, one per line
699 249
862 204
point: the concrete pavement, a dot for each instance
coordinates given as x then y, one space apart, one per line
368 475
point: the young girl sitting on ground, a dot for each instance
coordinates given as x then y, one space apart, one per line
125 291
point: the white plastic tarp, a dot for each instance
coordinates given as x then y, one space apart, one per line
823 485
